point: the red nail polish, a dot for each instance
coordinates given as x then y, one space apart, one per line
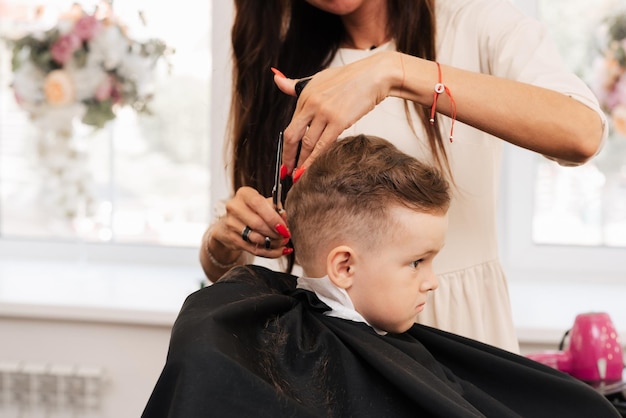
298 173
283 172
278 72
282 230
287 250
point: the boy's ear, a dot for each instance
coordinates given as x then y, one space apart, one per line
340 266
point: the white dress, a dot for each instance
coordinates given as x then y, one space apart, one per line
492 37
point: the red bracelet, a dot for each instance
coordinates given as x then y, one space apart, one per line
442 88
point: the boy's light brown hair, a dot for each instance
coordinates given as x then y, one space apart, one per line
344 196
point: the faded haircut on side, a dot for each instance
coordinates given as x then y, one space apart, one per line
345 195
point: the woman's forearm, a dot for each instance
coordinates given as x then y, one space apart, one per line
535 118
216 259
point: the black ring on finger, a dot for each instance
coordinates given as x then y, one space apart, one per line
268 243
245 234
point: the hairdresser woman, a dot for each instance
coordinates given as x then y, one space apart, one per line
447 80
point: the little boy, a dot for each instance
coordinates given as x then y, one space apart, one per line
366 222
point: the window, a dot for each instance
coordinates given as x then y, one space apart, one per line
587 205
147 182
562 222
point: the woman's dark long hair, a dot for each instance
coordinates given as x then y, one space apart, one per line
300 40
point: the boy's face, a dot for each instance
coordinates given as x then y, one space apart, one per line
391 282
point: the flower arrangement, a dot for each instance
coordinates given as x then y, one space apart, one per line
85 67
608 79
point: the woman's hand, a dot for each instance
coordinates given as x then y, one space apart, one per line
267 228
333 100
250 225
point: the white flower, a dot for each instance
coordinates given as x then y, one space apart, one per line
137 69
28 83
86 80
57 119
65 25
107 48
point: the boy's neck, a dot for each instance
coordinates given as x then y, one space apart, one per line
335 297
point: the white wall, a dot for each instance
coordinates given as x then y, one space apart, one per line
130 355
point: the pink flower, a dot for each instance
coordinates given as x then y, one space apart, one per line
63 49
617 95
104 90
618 115
116 93
608 82
86 27
18 98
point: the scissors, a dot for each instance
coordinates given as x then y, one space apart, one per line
279 179
277 190
282 181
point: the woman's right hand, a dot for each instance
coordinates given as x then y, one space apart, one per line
333 100
249 208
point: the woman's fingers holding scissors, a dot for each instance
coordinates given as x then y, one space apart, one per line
332 101
307 125
251 224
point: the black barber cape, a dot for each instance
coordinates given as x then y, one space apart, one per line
252 345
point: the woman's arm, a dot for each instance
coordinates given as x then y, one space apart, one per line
535 118
215 258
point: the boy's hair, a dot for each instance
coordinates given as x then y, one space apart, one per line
344 196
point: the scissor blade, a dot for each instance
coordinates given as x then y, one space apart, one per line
277 191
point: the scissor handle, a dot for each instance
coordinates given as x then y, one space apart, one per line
300 85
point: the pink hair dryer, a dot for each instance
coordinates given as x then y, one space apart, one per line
594 353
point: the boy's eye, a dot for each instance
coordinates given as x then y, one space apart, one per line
416 263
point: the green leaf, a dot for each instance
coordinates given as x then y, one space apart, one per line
98 113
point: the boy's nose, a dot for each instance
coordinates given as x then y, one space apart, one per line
431 282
